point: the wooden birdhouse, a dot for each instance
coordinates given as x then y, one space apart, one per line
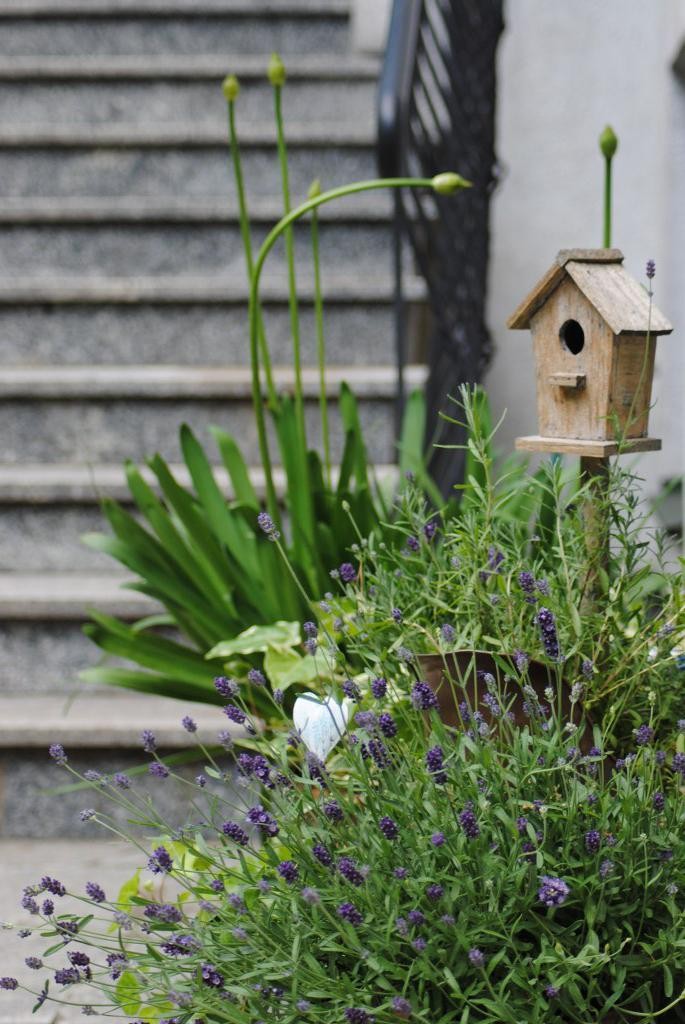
594 341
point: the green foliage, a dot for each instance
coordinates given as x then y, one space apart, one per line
462 873
200 552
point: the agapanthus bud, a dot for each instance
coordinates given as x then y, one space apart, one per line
276 70
230 88
608 142
447 183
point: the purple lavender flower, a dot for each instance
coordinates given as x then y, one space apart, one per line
448 919
650 269
56 752
548 632
378 752
189 724
387 724
587 668
121 781
235 714
226 687
67 976
476 957
438 839
366 720
267 526
165 912
347 572
235 832
413 543
348 912
430 529
149 741
388 827
526 582
447 633
379 687
117 963
416 917
659 801
77 958
355 1015
95 892
467 820
310 896
423 698
551 992
436 766
303 1005
401 1007
520 660
402 926
552 891
351 690
159 770
87 813
160 862
34 962
605 868
322 854
644 734
678 764
210 976
52 885
349 871
333 810
256 677
396 615
434 891
9 984
48 908
419 944
180 945
289 871
400 873
593 841
29 903
266 822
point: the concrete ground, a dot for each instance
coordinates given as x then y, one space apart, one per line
74 862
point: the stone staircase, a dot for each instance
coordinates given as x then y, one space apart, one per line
123 300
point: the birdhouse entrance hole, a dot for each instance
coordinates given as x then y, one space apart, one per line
572 336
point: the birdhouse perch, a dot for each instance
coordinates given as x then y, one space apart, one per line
594 338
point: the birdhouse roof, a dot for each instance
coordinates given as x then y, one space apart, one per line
600 275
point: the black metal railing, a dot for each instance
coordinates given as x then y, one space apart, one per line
436 112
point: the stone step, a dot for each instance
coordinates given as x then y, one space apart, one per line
174 97
109 211
98 731
89 855
184 319
66 596
190 333
171 249
182 162
46 509
111 27
93 414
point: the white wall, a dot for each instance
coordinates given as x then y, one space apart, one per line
565 70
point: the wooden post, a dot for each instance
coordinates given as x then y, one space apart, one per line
594 476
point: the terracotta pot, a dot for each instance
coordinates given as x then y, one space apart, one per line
459 676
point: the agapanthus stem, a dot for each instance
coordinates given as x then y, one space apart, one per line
442 183
231 92
320 337
290 260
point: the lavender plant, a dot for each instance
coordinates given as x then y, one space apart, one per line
508 573
382 866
